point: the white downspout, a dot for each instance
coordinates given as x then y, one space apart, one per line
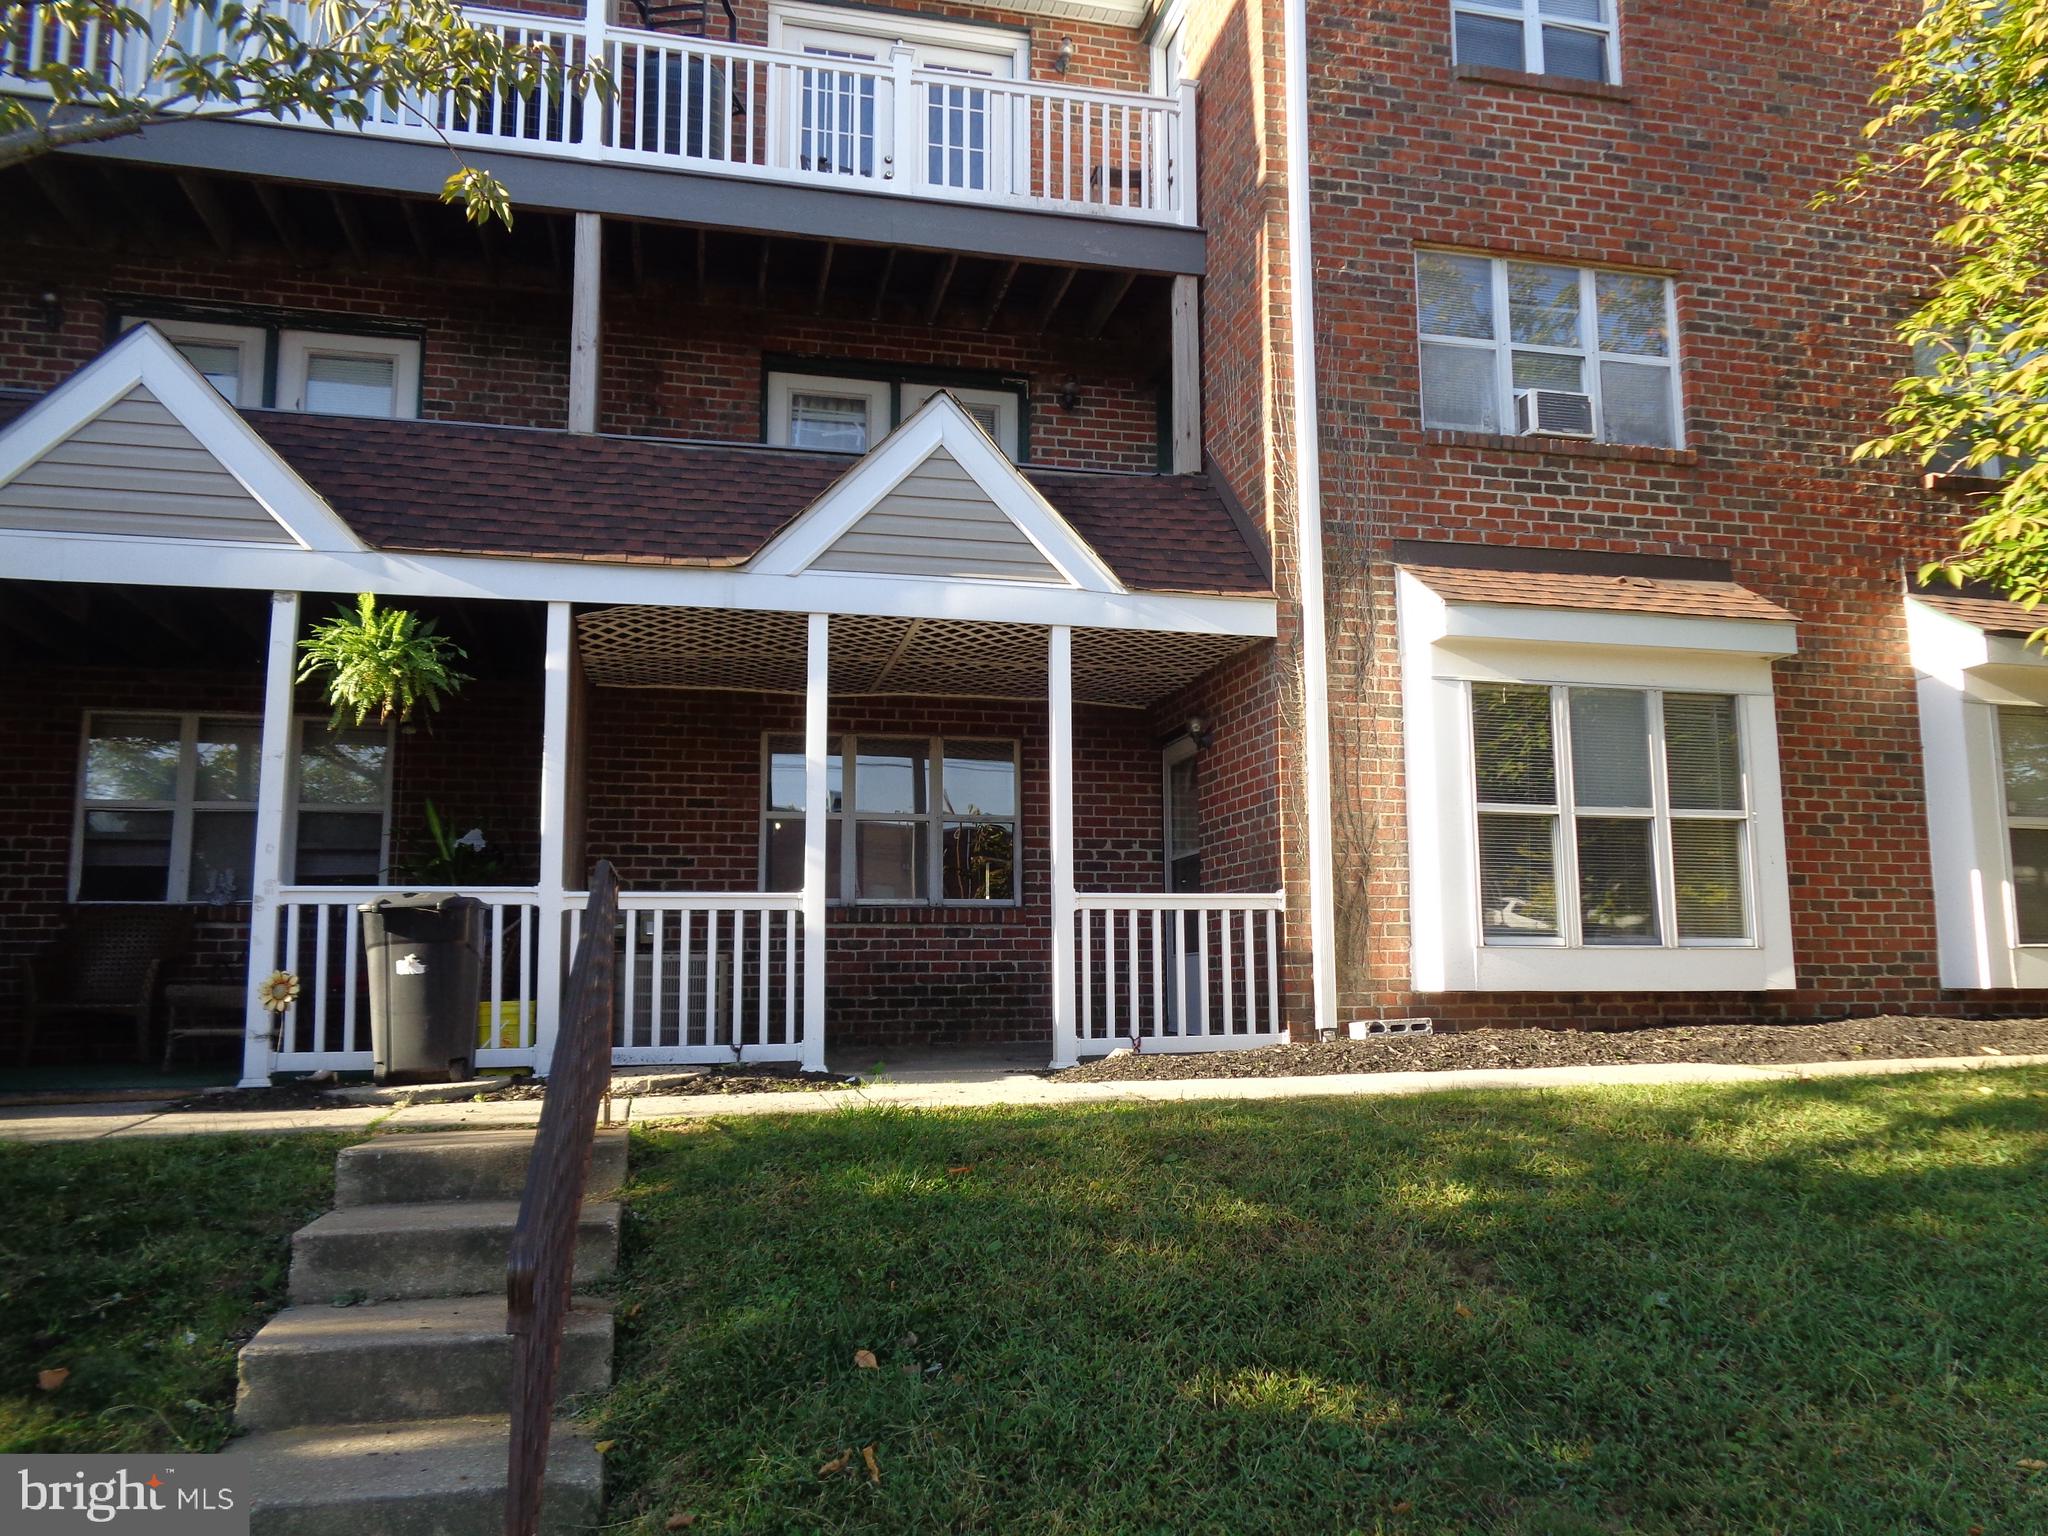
1308 528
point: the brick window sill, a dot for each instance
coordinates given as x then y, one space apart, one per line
1555 85
1565 447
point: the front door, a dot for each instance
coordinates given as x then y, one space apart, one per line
1180 792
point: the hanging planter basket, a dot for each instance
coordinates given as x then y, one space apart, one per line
385 662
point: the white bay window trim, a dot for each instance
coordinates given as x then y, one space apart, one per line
1965 676
1444 654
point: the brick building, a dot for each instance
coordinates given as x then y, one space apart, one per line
864 479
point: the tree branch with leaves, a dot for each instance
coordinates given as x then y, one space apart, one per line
1961 114
105 70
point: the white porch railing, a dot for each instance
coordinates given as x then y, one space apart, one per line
1177 973
706 977
320 941
762 114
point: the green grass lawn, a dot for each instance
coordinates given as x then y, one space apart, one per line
1795 1308
140 1267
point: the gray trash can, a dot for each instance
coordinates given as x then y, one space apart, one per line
425 954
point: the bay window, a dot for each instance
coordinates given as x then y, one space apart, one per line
914 820
167 807
1610 816
2023 763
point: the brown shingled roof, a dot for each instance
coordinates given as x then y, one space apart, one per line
1626 594
451 488
1993 615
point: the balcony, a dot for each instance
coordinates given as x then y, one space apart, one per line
744 113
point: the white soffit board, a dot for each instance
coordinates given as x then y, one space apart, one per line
137 445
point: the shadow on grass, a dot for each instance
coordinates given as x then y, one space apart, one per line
1811 1307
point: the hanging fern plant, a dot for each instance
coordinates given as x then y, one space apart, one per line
382 662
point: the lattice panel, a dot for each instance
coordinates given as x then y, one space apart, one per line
693 648
941 658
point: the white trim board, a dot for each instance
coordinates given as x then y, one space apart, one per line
143 358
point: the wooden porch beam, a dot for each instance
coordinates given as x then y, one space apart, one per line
946 269
273 776
1106 305
70 208
280 217
824 278
1187 377
1059 690
882 283
351 226
586 322
761 274
1002 291
204 197
410 212
1053 297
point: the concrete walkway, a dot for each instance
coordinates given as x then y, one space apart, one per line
978 1086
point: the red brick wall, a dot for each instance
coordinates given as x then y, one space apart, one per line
1702 166
497 352
480 760
674 792
1237 789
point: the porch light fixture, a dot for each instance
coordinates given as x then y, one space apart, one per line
50 309
1197 730
1069 396
1065 56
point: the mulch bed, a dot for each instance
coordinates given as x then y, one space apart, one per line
1885 1037
299 1094
740 1079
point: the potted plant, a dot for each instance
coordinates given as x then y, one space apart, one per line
383 661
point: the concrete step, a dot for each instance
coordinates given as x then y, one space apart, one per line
437 1358
436 1477
453 1248
436 1166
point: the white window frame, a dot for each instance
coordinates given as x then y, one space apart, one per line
1564 813
250 341
294 348
934 816
1591 354
184 808
1171 756
784 386
1964 677
1533 20
1445 648
913 394
1167 47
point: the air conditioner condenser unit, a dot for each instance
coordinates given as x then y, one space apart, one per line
1553 413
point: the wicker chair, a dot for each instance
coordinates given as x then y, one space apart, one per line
107 965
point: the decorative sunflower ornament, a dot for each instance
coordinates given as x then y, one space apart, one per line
280 991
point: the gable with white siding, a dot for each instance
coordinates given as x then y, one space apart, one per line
938 522
135 469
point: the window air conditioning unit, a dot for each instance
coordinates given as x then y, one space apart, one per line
1553 413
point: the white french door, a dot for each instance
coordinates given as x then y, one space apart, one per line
841 117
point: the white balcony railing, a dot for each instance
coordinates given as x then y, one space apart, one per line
763 114
1177 973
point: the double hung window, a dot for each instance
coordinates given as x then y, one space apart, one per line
1492 329
913 819
167 807
1574 39
1610 817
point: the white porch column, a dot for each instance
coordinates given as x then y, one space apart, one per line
585 320
817 814
1059 693
273 784
552 961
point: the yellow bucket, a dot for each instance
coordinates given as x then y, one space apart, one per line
512 1018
